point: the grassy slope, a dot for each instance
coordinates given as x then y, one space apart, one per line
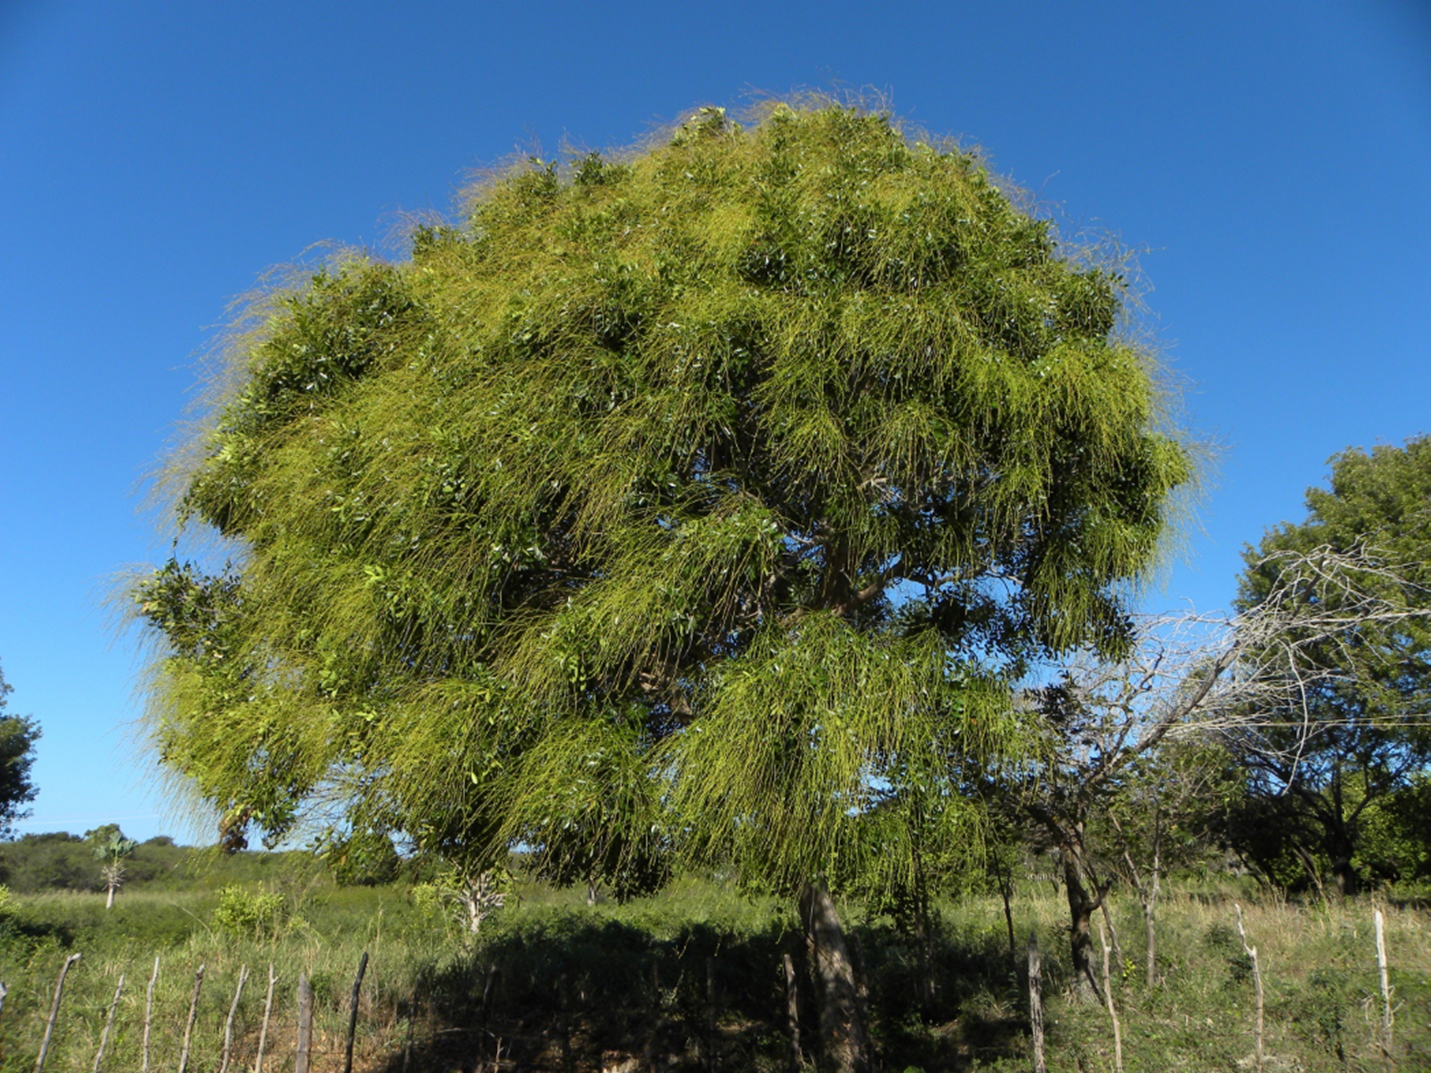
618 980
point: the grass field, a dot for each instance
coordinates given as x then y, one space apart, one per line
692 980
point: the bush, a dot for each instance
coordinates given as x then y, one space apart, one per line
257 914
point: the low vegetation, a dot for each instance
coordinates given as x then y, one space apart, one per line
687 980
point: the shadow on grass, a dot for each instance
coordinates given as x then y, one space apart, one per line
575 994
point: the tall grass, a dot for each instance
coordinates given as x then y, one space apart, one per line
560 985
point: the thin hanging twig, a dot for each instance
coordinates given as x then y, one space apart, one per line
193 1014
1251 952
229 1024
54 1011
148 1015
108 1024
267 1011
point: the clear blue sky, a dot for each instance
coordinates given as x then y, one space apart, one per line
1274 159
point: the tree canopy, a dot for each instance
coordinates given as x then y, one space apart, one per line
1358 734
702 492
18 735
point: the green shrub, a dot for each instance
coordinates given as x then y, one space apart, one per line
257 914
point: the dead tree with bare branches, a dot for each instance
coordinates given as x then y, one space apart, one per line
1245 682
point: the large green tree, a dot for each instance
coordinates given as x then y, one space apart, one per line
18 734
1355 734
697 496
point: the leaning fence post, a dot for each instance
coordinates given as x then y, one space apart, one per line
54 1011
108 1024
193 1014
305 1024
229 1024
353 1012
1036 1003
1385 993
1251 952
148 1014
267 1011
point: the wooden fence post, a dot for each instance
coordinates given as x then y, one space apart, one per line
1385 994
229 1024
54 1011
108 1024
305 1024
148 1014
353 1012
1108 995
1251 952
193 1014
267 1012
1036 1003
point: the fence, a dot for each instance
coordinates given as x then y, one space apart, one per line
527 1034
303 1050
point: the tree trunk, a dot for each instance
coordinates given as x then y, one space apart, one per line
844 1044
109 897
1081 906
1003 873
923 936
1150 909
1347 881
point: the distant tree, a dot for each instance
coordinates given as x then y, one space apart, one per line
111 849
685 500
1106 726
1159 722
1318 764
18 735
54 860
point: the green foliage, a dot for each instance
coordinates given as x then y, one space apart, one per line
18 735
362 858
58 861
51 861
1325 775
256 914
702 491
108 844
